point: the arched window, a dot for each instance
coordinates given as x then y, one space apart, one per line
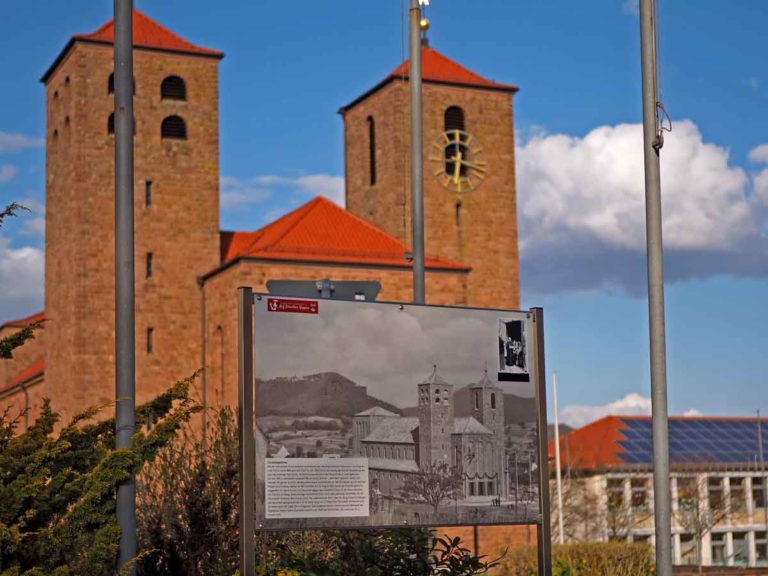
454 120
174 128
493 400
111 84
111 124
372 150
173 88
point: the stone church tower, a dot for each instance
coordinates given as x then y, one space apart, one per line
435 420
470 210
488 409
176 211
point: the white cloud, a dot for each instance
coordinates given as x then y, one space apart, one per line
752 82
15 142
759 154
632 404
237 193
21 279
33 224
581 415
582 210
7 173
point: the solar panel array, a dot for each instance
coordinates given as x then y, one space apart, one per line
694 441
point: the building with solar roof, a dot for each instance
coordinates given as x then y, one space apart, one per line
718 485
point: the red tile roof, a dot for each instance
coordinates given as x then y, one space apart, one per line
30 373
321 231
24 322
594 446
437 68
146 34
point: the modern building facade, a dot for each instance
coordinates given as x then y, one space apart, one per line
718 485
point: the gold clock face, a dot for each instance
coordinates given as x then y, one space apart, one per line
457 161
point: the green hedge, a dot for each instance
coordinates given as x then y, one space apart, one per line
599 559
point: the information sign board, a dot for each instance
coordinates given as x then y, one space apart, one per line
379 414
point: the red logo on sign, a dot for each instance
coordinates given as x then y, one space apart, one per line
296 306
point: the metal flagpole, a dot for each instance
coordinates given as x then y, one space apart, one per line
125 328
417 159
762 469
558 473
246 431
652 145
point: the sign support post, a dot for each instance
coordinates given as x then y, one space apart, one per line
544 532
247 441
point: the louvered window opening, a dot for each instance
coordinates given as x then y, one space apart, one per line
454 120
173 88
174 128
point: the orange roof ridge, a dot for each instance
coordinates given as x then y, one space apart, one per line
147 33
24 322
439 69
321 231
33 370
436 67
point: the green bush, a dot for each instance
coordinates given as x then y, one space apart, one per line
57 491
598 559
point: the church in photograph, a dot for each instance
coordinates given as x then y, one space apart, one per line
436 440
188 269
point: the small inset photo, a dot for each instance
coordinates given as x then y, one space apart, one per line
513 352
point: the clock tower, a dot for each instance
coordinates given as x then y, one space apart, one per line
469 175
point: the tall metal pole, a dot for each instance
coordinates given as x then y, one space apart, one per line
652 144
762 469
417 155
125 329
247 439
558 472
544 533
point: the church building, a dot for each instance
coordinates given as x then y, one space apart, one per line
188 269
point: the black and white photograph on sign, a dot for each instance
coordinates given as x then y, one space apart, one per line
513 359
374 414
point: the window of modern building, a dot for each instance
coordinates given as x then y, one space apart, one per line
371 150
149 267
173 88
719 556
174 128
738 494
686 493
148 193
615 494
740 548
688 549
761 548
150 340
111 124
639 494
715 490
758 492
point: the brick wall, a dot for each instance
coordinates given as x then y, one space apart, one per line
484 234
180 227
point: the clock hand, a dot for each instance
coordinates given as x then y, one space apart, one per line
477 167
457 167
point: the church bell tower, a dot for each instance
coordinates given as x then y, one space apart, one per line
469 171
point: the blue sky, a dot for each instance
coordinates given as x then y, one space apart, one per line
289 66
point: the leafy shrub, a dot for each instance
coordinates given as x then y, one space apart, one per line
57 492
603 559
